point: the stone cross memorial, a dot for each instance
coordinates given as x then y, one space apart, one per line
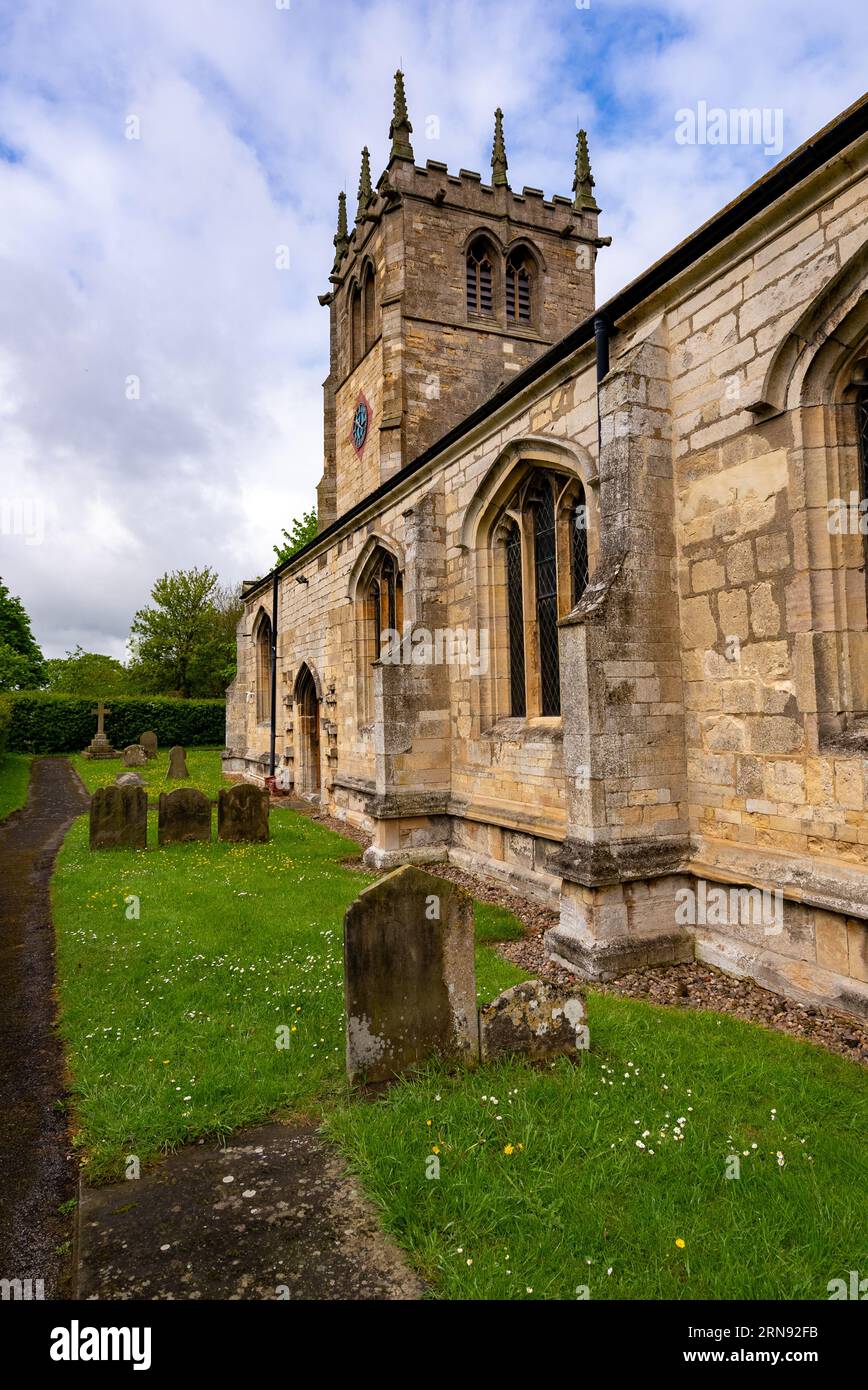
242 813
177 770
184 815
119 818
99 746
409 975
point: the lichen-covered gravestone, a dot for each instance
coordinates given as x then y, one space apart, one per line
119 818
148 740
242 813
183 815
134 755
534 1019
177 769
409 975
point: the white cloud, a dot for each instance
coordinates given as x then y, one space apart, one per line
154 258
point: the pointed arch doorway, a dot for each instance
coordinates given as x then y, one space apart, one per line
307 720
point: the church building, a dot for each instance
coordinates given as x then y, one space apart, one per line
587 610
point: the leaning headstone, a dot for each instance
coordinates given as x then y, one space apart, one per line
409 975
134 755
242 812
184 815
177 765
119 818
128 779
535 1019
149 743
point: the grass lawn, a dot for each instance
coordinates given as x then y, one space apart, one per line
171 1017
203 765
171 1020
14 781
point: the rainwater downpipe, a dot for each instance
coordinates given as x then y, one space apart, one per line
602 329
273 749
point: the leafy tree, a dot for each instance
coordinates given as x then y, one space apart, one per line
213 665
21 661
303 530
184 643
165 637
87 673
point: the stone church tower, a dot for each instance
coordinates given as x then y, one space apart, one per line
444 289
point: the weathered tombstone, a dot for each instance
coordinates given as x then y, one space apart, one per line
134 755
409 975
177 765
119 818
242 812
536 1019
99 746
128 779
148 741
183 815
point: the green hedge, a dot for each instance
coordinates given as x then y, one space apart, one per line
42 723
5 721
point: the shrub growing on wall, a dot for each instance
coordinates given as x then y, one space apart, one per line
43 723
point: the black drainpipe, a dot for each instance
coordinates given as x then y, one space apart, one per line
602 328
272 757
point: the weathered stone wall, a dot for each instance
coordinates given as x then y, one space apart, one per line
714 678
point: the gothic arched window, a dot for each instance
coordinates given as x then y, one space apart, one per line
369 310
480 278
539 575
519 279
357 337
381 616
263 669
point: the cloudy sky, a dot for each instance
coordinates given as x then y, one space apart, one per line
160 377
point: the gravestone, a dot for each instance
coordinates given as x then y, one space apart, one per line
99 746
183 815
177 770
242 813
119 818
134 755
409 975
534 1019
149 743
128 779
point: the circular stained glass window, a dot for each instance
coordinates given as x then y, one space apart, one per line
360 425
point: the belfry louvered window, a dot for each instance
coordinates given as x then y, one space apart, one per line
546 573
518 288
515 611
480 279
579 546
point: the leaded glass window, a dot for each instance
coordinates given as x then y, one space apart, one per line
546 571
515 610
579 546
